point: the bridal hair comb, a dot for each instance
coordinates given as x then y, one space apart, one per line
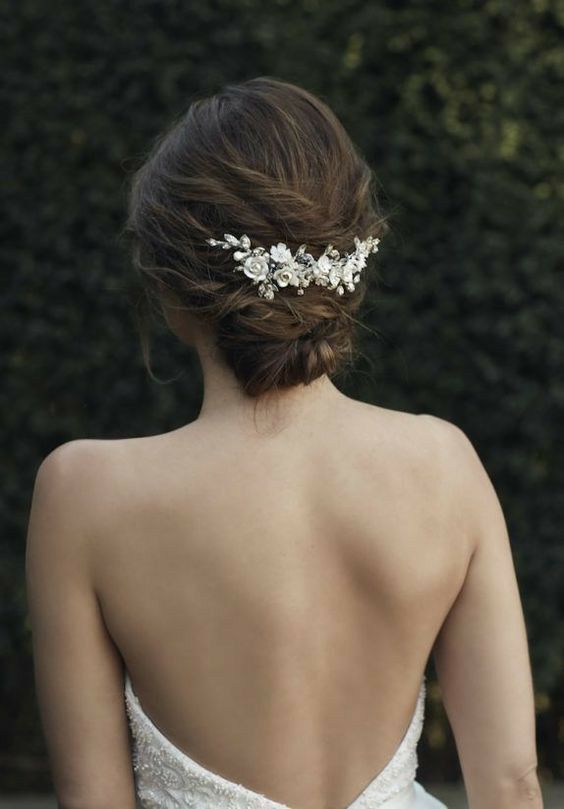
277 268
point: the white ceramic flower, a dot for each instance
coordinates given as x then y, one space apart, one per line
256 267
281 254
286 276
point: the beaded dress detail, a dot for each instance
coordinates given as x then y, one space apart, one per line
167 778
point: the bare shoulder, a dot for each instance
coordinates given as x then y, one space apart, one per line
469 486
80 480
445 453
62 473
77 468
447 433
95 462
83 490
60 514
464 464
105 480
447 464
434 440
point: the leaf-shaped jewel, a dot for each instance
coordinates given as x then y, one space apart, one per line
231 239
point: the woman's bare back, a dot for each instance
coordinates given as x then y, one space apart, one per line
275 598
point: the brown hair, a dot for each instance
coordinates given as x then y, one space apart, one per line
268 159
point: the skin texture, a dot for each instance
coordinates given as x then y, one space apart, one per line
275 592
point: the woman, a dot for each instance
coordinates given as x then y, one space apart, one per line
265 585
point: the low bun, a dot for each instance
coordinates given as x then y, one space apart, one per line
276 349
268 159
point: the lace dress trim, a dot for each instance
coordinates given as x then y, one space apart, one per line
167 778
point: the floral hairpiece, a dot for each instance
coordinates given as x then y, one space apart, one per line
277 268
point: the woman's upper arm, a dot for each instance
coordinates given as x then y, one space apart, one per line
481 653
78 670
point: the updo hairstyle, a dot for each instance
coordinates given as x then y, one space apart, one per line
268 159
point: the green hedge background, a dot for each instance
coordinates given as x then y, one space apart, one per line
458 106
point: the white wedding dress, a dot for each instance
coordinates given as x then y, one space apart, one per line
167 778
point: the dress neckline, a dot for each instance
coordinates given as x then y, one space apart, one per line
375 786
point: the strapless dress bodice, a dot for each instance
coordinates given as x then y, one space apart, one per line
167 778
